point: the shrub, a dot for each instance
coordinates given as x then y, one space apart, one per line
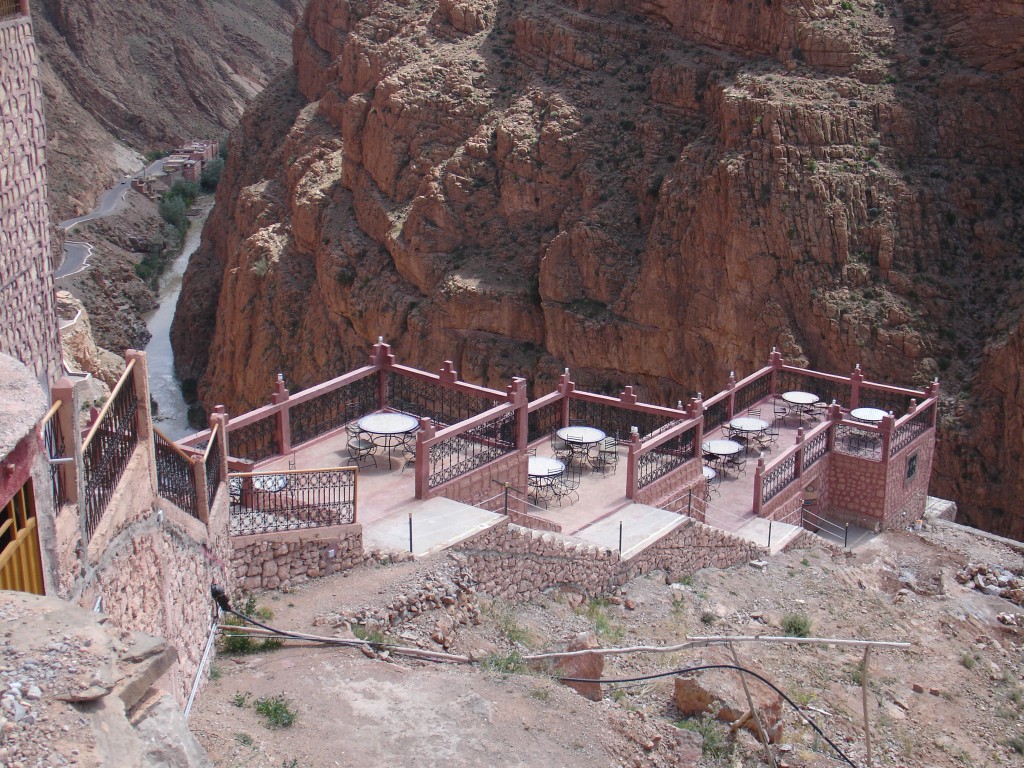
796 625
276 710
173 210
210 176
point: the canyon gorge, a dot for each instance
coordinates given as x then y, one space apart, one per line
652 192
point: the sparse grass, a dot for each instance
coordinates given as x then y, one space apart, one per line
276 710
244 739
604 627
374 637
507 623
1016 743
716 745
796 625
241 644
708 618
805 562
802 697
216 672
511 663
540 693
967 661
240 699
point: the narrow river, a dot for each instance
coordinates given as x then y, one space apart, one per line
171 414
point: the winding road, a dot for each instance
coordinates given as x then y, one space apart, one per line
77 252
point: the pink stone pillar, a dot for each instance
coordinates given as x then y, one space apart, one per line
758 485
143 415
565 386
284 428
220 419
426 432
697 410
798 468
199 478
67 418
631 465
934 392
731 386
855 381
834 413
517 396
627 396
887 425
775 361
381 357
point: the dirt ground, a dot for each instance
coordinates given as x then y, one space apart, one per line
955 698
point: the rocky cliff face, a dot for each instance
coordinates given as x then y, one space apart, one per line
648 191
125 77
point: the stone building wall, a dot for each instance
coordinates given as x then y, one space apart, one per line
280 560
906 498
688 548
674 485
856 490
28 326
474 487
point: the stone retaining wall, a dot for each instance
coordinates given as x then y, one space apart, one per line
690 547
285 559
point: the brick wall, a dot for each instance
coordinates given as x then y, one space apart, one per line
28 323
906 498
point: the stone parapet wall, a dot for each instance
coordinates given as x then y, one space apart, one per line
807 539
673 485
688 548
28 330
281 560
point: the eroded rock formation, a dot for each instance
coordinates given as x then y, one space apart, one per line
648 191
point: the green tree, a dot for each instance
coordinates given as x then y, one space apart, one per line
173 210
211 175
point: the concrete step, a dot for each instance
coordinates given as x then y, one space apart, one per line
437 524
642 525
758 530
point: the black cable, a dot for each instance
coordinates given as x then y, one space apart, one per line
223 603
687 670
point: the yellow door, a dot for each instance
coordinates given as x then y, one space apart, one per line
21 568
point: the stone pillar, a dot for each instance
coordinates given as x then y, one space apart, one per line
202 502
565 386
426 432
855 380
834 413
798 468
517 396
67 417
284 431
775 361
887 425
697 409
731 386
381 357
144 417
220 419
758 481
632 461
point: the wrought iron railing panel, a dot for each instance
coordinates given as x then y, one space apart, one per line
444 405
480 445
175 477
545 420
53 438
616 421
826 389
108 452
906 433
894 402
752 393
716 415
9 9
854 441
214 470
256 441
814 449
776 479
671 454
332 410
292 501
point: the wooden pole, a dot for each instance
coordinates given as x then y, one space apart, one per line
752 709
864 700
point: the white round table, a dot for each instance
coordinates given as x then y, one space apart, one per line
868 415
581 435
722 447
748 424
392 428
544 466
709 473
800 398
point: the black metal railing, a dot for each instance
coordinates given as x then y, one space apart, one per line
814 449
890 402
544 420
671 454
9 9
465 452
614 420
107 450
826 389
214 468
332 410
776 479
862 443
53 438
716 415
256 441
906 433
175 475
752 393
291 501
444 405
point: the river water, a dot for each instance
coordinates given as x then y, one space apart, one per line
171 416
